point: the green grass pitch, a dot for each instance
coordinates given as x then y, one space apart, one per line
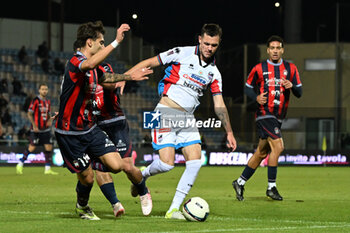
316 199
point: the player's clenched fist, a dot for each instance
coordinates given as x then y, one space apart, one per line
261 99
120 32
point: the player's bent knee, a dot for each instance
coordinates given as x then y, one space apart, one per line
116 168
128 168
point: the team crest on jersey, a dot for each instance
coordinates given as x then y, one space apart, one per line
277 130
76 164
107 69
285 72
210 75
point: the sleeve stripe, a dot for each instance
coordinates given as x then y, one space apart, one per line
250 86
160 60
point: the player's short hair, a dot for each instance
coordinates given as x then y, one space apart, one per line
42 84
87 31
211 29
274 38
76 46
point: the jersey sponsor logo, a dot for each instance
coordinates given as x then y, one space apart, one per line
195 79
151 120
276 92
265 73
274 82
277 102
193 87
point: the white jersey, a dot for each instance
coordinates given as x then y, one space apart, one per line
187 76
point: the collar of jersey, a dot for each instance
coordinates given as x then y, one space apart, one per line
275 64
80 53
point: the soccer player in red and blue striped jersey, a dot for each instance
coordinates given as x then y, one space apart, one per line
269 84
78 136
40 132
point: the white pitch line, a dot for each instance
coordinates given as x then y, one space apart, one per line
269 229
317 224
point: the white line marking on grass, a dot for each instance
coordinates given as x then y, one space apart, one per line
215 218
269 229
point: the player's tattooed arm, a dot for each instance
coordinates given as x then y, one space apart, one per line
136 75
222 113
113 78
223 116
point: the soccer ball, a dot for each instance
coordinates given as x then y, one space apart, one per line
196 209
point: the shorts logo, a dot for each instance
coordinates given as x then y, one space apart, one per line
76 164
121 143
151 120
108 143
160 138
277 130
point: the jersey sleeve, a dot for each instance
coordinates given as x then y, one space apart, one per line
295 78
169 56
77 61
216 85
33 105
252 78
49 108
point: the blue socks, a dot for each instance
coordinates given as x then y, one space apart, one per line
141 187
247 173
25 155
83 194
109 191
271 174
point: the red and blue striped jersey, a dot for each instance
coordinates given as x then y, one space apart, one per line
77 98
107 101
267 77
41 109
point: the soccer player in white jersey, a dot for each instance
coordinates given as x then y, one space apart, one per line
190 71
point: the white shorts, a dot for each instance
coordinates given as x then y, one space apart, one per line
178 129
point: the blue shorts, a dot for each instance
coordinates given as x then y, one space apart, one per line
118 132
269 127
78 150
42 138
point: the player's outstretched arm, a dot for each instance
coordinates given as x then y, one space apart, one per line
221 112
150 62
136 75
